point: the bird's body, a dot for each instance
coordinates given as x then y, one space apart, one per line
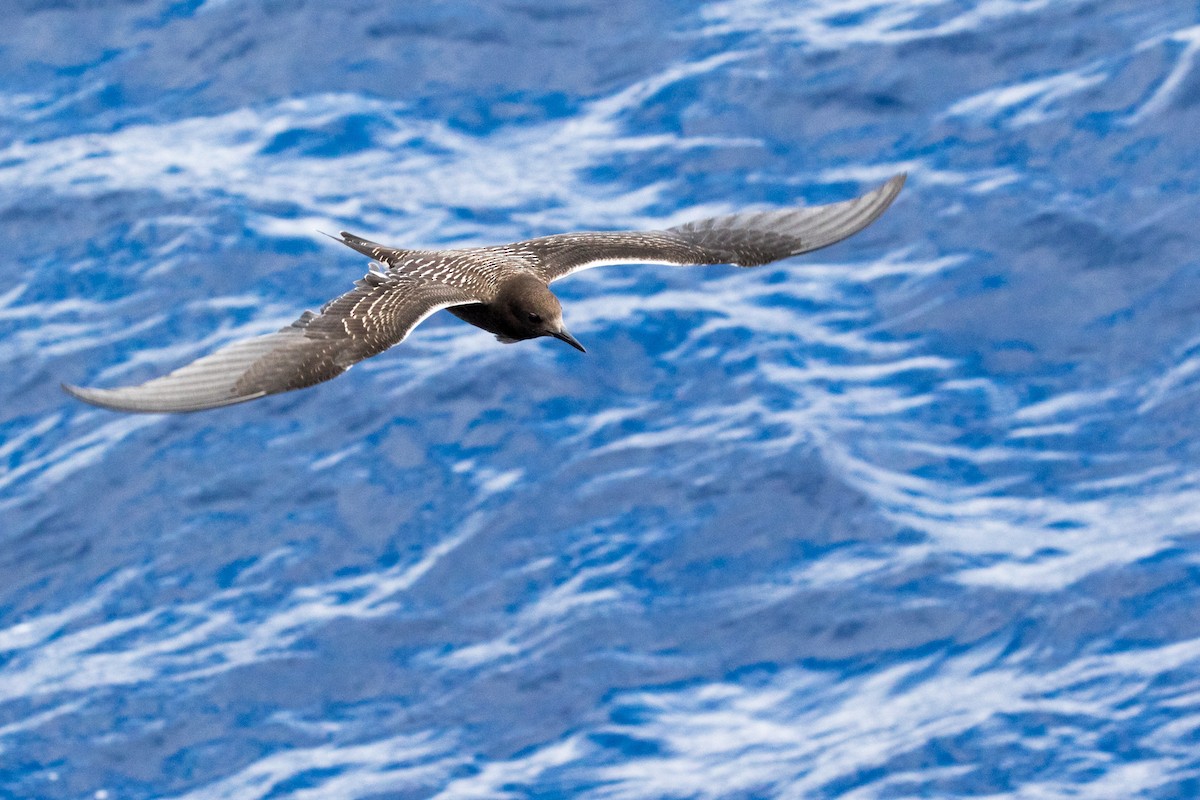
502 289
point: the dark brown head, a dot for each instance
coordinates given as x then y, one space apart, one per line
531 310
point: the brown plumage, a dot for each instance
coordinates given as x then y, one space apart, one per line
503 289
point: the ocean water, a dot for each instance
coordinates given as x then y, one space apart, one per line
914 516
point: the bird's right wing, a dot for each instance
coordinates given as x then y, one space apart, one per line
379 312
746 240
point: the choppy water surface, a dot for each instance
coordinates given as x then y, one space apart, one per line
915 516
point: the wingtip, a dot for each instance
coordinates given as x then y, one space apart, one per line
93 397
887 192
131 400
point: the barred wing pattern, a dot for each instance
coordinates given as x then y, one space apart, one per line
379 312
390 301
746 240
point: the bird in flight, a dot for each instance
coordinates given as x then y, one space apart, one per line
503 289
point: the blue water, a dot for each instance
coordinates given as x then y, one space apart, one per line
914 516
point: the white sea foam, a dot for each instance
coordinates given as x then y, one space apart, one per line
342 770
1030 102
822 25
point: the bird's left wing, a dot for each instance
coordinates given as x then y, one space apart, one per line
746 240
379 312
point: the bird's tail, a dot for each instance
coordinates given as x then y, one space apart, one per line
368 248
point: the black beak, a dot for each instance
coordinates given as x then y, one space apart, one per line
569 339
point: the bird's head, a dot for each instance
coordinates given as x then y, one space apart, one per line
533 310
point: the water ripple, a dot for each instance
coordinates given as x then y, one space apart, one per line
914 516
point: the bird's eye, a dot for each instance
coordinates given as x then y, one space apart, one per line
534 316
